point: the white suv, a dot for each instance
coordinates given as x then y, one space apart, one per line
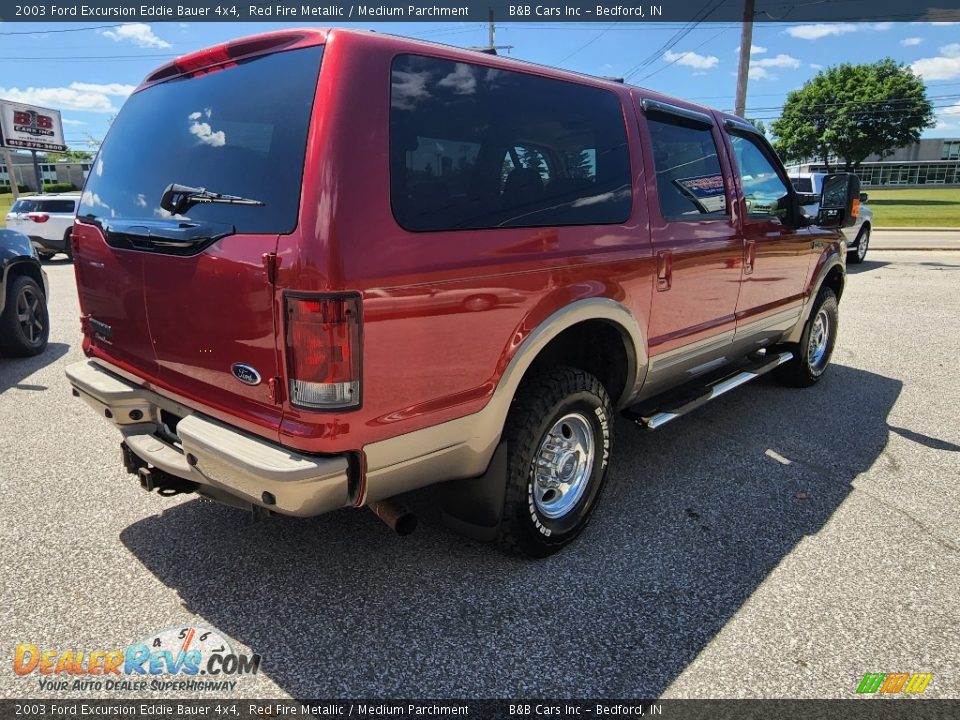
858 235
47 220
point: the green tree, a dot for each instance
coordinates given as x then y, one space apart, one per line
759 125
853 111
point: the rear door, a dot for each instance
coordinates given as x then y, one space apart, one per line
201 268
696 243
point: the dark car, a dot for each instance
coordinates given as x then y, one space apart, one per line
24 322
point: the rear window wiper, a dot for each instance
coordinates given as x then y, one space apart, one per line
179 198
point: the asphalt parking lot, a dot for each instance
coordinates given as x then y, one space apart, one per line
776 543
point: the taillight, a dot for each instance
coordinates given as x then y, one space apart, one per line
323 350
38 217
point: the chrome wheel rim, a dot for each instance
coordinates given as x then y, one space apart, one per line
862 245
562 466
819 341
30 315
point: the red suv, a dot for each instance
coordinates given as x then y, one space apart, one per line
321 268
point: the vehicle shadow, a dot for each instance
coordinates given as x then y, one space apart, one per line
694 518
865 266
13 370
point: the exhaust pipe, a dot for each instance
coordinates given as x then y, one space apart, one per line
396 515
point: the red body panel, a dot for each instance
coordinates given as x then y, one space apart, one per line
443 312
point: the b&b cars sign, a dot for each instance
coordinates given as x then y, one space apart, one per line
30 127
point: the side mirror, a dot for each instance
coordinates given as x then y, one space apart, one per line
863 198
839 201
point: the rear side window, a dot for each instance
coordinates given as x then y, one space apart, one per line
474 147
240 131
689 180
56 206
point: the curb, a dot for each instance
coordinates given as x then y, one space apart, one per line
916 248
918 229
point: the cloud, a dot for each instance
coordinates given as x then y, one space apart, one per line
822 30
815 66
910 41
68 121
62 98
945 66
754 50
692 59
118 89
761 73
204 132
951 110
780 61
140 34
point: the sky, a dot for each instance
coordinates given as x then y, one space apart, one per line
87 71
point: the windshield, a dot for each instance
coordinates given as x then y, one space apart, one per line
240 131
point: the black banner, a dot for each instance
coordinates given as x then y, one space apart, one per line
323 12
860 709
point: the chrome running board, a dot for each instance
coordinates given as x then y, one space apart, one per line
654 420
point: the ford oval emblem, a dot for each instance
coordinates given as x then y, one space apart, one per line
245 374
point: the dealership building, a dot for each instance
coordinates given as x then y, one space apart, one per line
71 173
934 161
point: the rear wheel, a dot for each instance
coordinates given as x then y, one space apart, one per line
24 324
68 244
559 437
858 252
812 354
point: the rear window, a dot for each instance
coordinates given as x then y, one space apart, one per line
238 131
804 185
477 147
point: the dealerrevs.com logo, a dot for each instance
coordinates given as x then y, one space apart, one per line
175 659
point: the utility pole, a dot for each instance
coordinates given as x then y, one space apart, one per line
492 47
14 190
743 71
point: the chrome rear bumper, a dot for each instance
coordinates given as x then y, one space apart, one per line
220 459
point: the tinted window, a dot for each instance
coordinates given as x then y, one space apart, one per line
56 206
804 185
689 180
239 131
764 189
477 147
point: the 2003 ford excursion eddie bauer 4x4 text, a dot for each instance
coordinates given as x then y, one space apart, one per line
318 269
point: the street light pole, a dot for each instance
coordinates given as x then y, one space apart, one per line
743 71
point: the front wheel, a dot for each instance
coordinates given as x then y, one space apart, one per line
24 324
559 438
811 356
858 253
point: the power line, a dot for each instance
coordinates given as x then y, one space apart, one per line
67 30
588 43
682 55
704 12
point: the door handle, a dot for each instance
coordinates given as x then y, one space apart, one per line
749 256
664 270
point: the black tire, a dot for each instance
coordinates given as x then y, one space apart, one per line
24 336
858 253
548 399
810 362
68 244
